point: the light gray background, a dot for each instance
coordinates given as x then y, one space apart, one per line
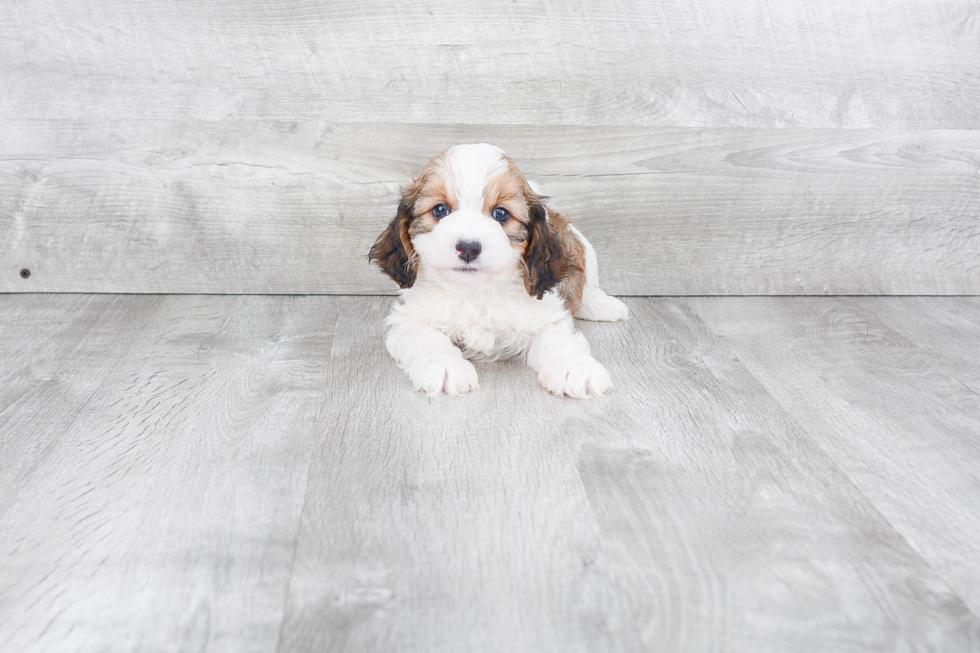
253 474
705 147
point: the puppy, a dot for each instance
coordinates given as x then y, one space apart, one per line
488 272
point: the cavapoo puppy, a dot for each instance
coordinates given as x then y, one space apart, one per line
488 272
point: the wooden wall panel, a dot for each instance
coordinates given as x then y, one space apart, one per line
792 63
707 148
293 207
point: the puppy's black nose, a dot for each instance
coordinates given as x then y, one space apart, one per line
468 249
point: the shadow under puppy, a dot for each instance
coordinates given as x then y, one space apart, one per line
488 272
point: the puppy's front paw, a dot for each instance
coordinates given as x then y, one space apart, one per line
452 375
583 378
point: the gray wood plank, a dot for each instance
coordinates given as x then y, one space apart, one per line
442 525
697 63
946 328
700 475
900 416
54 365
164 496
293 207
686 512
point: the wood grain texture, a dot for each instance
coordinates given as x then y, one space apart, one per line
256 147
947 329
293 207
701 63
442 525
686 512
889 389
254 474
42 395
155 452
694 471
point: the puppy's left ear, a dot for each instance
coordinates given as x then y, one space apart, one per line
545 257
393 251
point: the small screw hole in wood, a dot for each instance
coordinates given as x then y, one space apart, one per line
25 273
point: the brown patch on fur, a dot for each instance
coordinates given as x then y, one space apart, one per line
421 224
553 256
509 190
393 251
545 256
432 188
517 232
572 285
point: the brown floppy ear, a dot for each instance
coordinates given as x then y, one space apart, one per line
393 250
545 258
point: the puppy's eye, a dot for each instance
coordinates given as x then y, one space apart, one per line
500 214
440 211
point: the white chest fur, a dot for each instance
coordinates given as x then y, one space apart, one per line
486 322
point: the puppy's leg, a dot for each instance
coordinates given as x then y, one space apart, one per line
597 305
560 355
431 360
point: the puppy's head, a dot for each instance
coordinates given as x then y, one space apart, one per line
468 217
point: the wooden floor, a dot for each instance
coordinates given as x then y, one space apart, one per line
237 473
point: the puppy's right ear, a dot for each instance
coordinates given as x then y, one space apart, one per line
393 251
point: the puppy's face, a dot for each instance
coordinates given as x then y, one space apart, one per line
470 216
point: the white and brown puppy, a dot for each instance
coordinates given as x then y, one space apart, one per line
487 272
